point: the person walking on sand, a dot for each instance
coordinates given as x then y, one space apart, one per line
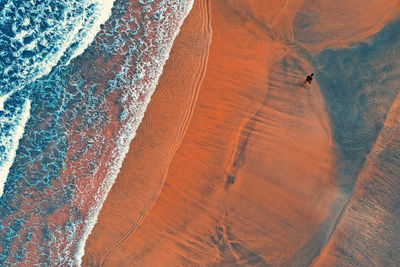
309 78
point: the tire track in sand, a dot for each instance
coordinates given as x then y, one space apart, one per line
199 77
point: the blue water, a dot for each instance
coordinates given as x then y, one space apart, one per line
35 37
72 95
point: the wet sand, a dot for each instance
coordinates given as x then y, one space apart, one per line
368 233
236 162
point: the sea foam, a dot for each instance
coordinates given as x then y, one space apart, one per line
9 139
34 37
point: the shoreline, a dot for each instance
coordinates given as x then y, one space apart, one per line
160 145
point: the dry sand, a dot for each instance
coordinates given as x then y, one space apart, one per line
234 162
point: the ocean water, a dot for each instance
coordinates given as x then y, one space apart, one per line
75 80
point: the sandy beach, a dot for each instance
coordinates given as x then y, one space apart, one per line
236 162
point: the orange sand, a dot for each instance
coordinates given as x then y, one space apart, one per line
233 162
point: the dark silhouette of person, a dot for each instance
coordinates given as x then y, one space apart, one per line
309 78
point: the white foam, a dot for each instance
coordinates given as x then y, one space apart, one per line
164 43
43 67
104 11
11 142
26 22
29 73
74 28
4 98
83 33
